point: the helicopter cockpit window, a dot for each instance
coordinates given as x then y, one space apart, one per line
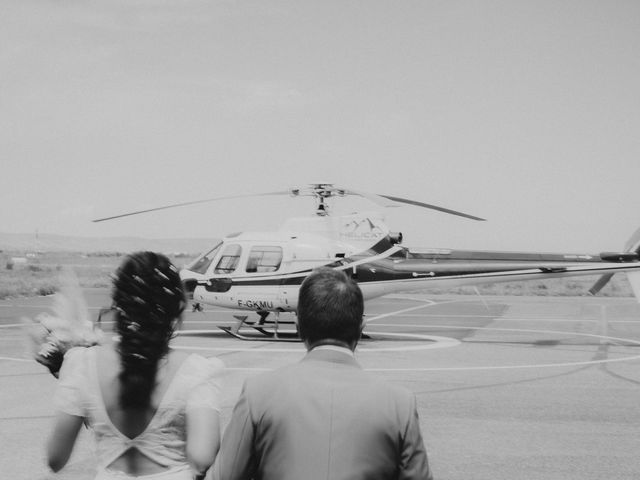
229 260
202 264
264 259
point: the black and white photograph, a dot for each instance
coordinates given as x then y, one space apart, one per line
335 240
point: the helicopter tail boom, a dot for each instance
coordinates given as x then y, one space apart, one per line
631 248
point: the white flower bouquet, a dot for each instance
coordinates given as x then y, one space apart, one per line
51 335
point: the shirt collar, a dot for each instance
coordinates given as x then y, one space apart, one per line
335 348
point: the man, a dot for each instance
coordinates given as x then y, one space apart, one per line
324 417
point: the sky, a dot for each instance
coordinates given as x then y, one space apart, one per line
526 113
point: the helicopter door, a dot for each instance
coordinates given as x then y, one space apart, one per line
264 259
228 260
227 264
261 293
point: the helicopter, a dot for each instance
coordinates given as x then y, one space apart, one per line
261 272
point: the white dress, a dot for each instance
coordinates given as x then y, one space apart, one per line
195 384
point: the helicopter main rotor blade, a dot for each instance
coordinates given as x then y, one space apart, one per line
432 207
383 200
183 204
320 191
372 197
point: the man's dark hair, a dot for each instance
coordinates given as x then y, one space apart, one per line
330 307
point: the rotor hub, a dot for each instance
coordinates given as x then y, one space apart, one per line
321 192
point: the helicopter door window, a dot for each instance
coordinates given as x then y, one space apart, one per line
264 259
229 260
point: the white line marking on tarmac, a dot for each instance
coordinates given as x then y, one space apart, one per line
541 318
446 342
438 342
434 342
13 359
508 367
468 368
516 330
42 307
255 349
428 303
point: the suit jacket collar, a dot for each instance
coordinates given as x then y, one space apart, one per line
331 356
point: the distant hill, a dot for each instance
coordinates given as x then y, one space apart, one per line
19 242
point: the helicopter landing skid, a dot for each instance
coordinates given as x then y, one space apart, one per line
274 334
266 336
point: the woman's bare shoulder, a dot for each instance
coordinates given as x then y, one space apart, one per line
176 357
107 362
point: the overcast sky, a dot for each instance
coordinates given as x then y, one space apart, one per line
526 113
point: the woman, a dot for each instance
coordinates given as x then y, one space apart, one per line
153 411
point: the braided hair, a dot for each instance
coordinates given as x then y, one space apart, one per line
148 299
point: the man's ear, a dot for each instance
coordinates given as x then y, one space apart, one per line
355 344
300 334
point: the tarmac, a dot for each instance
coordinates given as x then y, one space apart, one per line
514 388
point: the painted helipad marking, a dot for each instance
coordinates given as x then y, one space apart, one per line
14 359
434 342
427 303
40 307
514 367
437 342
447 344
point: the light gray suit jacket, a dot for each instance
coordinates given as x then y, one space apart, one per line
322 418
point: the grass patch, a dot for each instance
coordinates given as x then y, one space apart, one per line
556 287
27 283
40 275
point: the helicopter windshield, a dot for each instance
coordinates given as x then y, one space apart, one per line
202 264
